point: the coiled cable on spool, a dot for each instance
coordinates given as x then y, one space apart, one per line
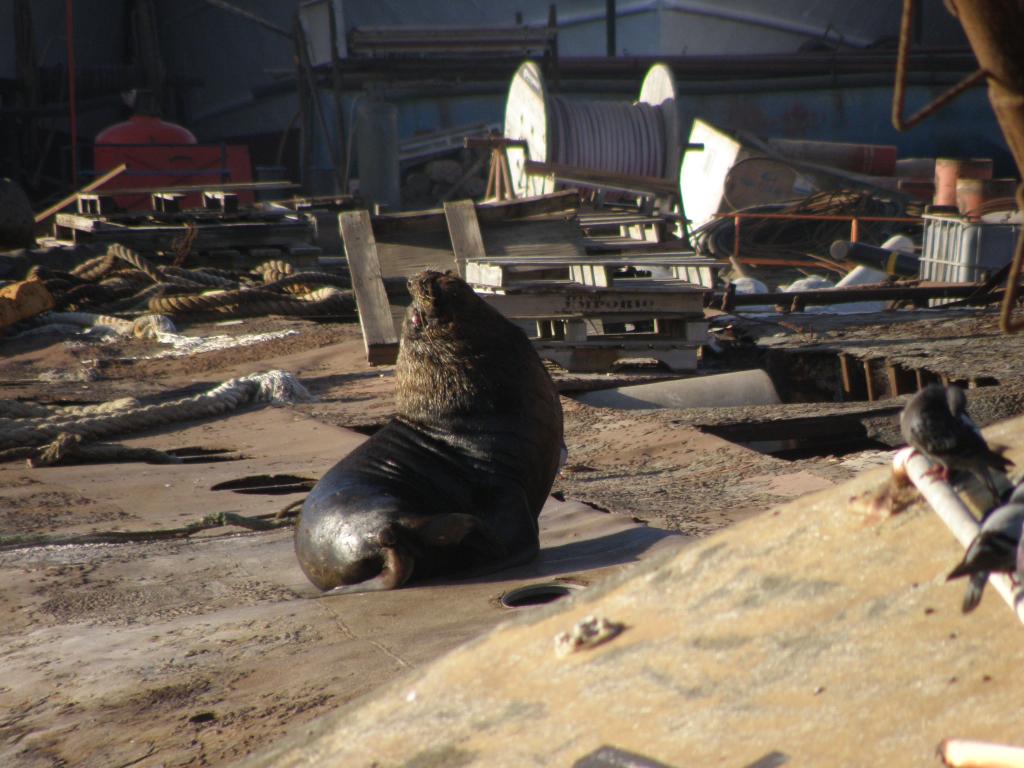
630 138
610 136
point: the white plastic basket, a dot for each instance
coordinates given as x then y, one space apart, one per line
957 250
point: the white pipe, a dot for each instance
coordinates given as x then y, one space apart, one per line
961 523
739 388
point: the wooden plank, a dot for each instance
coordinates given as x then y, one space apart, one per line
379 336
591 274
616 220
241 186
236 234
557 237
464 230
602 355
598 304
605 179
497 276
433 220
99 181
683 259
681 328
403 254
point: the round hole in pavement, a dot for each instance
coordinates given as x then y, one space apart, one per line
537 594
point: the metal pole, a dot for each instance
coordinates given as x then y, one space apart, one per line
993 30
610 17
72 108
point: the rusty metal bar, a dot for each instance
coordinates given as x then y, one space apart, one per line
1006 322
816 217
845 374
993 30
849 295
899 122
868 382
736 236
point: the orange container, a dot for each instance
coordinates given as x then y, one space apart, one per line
949 169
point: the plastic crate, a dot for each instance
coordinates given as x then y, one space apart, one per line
960 251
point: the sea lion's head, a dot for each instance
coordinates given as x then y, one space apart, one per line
439 302
459 357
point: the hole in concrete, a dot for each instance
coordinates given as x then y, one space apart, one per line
366 429
826 377
194 454
537 594
794 439
270 485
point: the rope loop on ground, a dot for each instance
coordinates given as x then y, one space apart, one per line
274 386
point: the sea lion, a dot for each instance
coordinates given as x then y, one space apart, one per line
455 482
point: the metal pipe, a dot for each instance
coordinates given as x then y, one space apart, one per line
245 14
709 11
739 388
709 68
826 296
610 16
954 514
72 109
889 261
993 30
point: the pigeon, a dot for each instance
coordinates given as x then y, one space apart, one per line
994 550
935 423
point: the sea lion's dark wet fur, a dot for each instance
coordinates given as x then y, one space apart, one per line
456 481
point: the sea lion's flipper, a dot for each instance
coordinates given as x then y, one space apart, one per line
398 567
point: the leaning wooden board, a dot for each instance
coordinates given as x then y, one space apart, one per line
375 316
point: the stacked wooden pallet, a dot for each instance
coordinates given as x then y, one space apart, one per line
529 259
587 311
222 232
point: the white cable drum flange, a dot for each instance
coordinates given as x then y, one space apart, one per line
526 117
634 139
659 90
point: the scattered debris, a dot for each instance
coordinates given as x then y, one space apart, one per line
588 633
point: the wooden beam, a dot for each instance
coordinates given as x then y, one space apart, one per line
566 202
99 181
464 230
598 302
379 336
645 185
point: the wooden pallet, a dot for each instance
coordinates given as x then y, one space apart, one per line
557 300
574 301
224 234
593 356
678 269
628 224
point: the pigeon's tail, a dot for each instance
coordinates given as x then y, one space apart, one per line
996 460
964 568
975 588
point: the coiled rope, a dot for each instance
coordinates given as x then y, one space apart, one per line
124 281
252 302
274 386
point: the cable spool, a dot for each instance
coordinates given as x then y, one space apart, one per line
635 139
